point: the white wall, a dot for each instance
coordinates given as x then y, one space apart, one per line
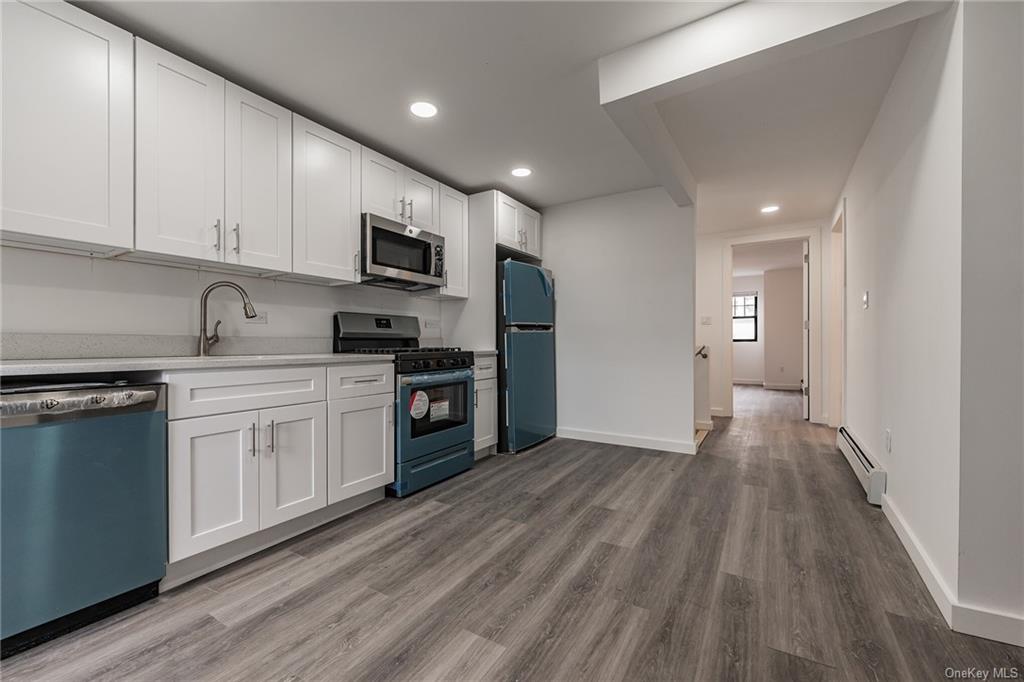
748 356
56 293
624 273
903 208
783 326
991 556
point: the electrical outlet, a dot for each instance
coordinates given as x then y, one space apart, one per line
261 318
888 441
431 324
705 320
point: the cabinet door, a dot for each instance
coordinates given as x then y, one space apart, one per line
179 156
360 445
293 462
454 226
422 196
325 226
213 481
67 125
383 186
258 181
507 225
485 424
529 221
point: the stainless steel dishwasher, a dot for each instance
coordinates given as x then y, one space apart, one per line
83 512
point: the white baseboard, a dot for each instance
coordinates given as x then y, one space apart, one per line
982 622
747 382
704 425
686 447
940 591
782 387
965 618
720 412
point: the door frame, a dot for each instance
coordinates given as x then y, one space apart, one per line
812 233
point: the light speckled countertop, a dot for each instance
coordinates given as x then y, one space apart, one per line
485 352
11 368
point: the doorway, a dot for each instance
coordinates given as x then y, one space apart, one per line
836 319
770 310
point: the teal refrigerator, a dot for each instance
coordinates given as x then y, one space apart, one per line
526 355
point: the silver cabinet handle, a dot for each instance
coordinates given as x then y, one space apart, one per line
253 439
355 264
410 210
402 204
366 381
446 277
238 238
476 397
271 428
216 228
391 414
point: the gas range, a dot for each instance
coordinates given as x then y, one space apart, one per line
435 397
412 359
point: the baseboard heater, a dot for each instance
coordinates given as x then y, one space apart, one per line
868 473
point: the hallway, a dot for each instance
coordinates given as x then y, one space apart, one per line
757 559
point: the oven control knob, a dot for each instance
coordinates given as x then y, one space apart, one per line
442 363
464 362
417 364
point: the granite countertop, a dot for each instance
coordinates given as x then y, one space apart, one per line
10 368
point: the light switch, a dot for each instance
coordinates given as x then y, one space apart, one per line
866 300
705 320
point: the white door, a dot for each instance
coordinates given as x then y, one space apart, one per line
293 462
529 221
213 481
422 196
360 445
179 156
806 335
68 118
383 186
508 223
258 181
325 225
453 225
485 424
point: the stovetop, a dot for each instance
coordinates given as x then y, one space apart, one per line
415 359
402 350
396 335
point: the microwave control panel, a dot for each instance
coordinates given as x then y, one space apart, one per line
438 261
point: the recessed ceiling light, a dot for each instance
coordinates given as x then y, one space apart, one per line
423 109
771 208
521 172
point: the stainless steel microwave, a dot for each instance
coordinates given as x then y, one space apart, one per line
400 256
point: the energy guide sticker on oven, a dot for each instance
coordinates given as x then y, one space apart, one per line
438 410
418 405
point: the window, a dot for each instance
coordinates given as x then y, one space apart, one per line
744 317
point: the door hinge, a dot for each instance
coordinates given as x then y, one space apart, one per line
807 258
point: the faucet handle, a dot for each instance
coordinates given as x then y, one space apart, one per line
214 337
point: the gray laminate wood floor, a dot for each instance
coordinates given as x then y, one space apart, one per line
757 559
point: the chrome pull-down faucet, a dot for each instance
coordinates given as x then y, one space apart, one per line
205 342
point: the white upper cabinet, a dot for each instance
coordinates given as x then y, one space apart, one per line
507 221
258 181
399 193
453 225
422 196
326 202
517 226
529 229
67 126
179 156
293 462
383 186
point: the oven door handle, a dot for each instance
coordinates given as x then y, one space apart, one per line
434 378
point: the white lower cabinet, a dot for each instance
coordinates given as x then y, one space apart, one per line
361 445
485 424
213 481
293 462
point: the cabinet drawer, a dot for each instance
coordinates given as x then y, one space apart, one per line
353 381
485 367
203 392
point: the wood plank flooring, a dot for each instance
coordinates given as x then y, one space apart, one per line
757 559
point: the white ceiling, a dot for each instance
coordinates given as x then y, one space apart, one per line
755 259
516 83
786 134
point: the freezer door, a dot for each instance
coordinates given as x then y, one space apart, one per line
530 388
529 294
